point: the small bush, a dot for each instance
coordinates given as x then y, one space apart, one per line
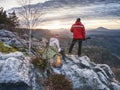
40 63
5 49
58 82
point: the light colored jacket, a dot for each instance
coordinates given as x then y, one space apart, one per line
55 42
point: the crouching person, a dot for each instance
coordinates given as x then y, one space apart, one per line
53 52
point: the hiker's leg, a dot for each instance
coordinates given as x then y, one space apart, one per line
79 47
48 68
62 52
72 44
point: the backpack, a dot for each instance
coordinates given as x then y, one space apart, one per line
57 60
49 52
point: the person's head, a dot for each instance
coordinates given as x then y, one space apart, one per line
55 35
78 20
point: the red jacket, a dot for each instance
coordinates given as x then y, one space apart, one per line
78 31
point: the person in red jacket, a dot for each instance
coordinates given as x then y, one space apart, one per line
79 34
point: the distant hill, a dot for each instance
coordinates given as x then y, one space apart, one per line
104 31
39 33
109 39
101 29
101 56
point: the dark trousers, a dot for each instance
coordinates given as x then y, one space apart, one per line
62 52
79 45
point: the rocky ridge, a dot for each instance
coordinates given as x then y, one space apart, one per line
16 70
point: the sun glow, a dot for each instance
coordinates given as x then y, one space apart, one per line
52 25
56 25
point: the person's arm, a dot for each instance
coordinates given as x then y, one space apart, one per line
71 29
58 45
83 32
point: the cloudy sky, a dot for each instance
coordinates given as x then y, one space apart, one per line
63 13
7 4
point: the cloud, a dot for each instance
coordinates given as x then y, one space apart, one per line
69 10
90 11
60 9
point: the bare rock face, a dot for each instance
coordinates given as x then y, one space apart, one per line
14 69
86 75
16 72
11 38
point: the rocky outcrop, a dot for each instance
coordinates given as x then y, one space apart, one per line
16 72
12 39
86 75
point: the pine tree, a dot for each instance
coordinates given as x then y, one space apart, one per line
13 20
9 21
3 15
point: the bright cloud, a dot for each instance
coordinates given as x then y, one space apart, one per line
7 4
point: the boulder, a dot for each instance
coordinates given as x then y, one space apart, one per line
86 75
16 72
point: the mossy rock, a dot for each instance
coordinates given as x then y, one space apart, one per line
5 49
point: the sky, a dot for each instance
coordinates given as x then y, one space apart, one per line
8 4
61 14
